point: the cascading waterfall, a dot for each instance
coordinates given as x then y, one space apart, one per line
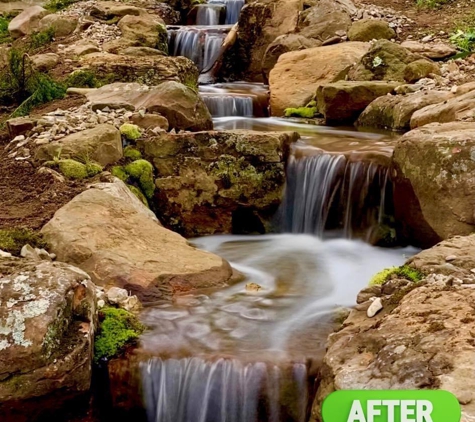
226 390
209 14
329 191
233 9
222 106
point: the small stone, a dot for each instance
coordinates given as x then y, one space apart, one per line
29 252
130 304
375 307
101 303
450 258
43 254
116 295
427 38
4 254
253 287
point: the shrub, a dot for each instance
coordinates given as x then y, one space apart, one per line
117 329
41 38
82 79
464 40
404 271
4 34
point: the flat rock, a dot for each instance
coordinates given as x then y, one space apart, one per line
436 51
297 75
102 144
110 234
47 319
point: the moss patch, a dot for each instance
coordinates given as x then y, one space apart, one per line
120 173
117 329
404 271
72 169
130 131
12 240
132 153
305 112
142 171
139 194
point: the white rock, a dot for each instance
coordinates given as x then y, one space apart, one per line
4 254
375 307
450 258
101 303
29 252
132 303
116 295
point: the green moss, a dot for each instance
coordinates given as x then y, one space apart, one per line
120 173
117 329
12 240
142 171
132 153
162 41
233 171
73 169
4 34
404 271
130 131
93 168
41 38
305 112
57 5
139 194
82 79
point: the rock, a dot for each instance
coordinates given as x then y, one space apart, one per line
394 112
458 108
81 48
259 25
374 308
385 61
46 339
143 70
324 20
149 121
101 144
116 295
110 234
63 26
284 44
367 293
253 287
141 52
436 51
218 182
165 12
45 62
343 101
435 167
420 344
420 69
450 258
20 126
26 22
145 31
107 10
29 252
370 29
297 75
4 254
181 106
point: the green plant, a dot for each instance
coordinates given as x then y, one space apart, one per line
4 34
431 4
464 40
82 79
404 271
132 153
130 131
12 240
57 5
117 329
41 38
305 112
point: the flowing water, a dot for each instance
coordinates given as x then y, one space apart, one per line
241 355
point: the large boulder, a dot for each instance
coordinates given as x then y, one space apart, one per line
422 339
343 101
145 30
260 23
145 70
181 106
110 234
370 29
46 339
26 22
327 19
459 108
284 44
419 69
385 61
434 189
297 75
394 112
218 182
62 25
101 144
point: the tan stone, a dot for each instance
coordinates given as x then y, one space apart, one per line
435 51
145 30
110 234
109 9
62 25
149 121
370 29
26 22
297 75
101 144
48 322
45 62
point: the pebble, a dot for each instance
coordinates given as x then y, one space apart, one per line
375 307
4 254
450 258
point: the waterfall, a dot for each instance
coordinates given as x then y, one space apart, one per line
225 390
209 14
329 191
222 106
200 45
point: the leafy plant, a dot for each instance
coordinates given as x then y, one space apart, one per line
41 38
4 34
464 40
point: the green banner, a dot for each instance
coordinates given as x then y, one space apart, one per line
391 406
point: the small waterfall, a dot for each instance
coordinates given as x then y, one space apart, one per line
226 390
209 14
329 191
222 106
200 45
233 9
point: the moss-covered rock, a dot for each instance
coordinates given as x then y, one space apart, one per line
404 271
304 112
130 131
120 173
117 329
139 194
72 169
93 169
132 153
12 240
142 171
370 29
420 69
